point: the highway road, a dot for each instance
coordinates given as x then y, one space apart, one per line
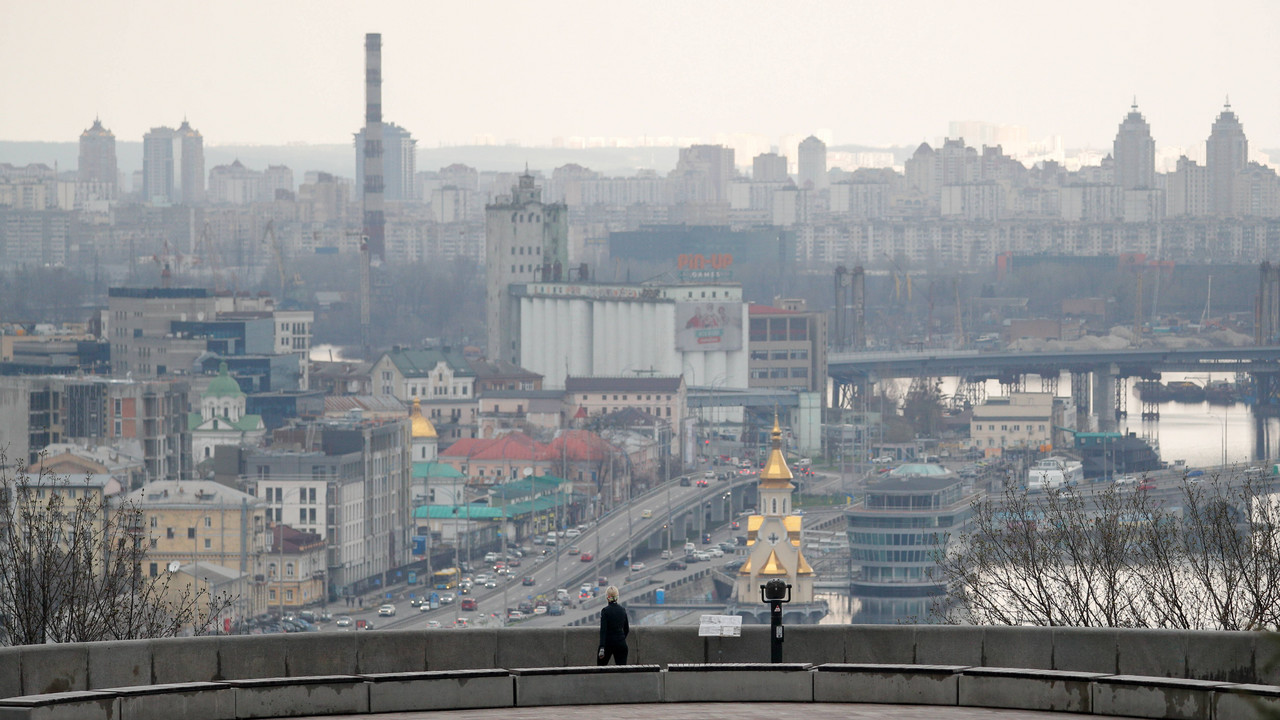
606 540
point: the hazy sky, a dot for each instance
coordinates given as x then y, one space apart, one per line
877 73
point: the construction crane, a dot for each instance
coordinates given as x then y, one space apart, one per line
164 260
269 238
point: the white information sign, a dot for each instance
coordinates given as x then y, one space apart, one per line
720 626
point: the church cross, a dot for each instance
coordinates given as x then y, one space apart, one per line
773 538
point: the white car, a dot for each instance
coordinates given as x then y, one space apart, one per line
447 598
433 623
387 610
637 567
715 552
572 532
1127 481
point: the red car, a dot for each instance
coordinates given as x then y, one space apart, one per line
587 557
468 604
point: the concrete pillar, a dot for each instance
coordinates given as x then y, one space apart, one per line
1103 400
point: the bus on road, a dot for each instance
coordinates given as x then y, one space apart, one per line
447 579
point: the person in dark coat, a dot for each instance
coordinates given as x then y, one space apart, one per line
614 629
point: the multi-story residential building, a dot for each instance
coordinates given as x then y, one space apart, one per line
788 347
770 168
1134 151
812 164
97 177
234 184
296 568
191 172
1226 155
1187 189
354 490
398 162
198 522
173 166
525 241
706 171
147 416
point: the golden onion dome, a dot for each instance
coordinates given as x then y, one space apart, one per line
422 427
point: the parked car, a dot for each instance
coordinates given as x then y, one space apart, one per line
387 610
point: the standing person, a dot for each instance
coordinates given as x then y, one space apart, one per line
614 629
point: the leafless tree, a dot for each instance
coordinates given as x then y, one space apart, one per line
1208 557
71 568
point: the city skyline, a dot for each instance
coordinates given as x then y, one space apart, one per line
866 73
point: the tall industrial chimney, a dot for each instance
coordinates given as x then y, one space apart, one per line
374 221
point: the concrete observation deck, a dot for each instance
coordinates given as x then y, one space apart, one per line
895 672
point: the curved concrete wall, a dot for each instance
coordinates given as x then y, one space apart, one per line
1235 657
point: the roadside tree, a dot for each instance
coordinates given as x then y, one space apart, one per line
71 568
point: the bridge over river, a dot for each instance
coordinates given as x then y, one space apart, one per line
1099 378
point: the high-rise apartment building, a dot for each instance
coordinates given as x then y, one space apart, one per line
1134 152
191 172
525 241
96 177
1227 151
398 163
173 166
812 164
769 167
708 169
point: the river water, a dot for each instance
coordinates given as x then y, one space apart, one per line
1199 433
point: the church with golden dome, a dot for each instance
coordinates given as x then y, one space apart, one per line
774 549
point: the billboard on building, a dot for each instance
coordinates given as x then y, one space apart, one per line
705 326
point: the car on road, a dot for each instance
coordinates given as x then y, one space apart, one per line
677 565
387 610
1147 485
424 607
526 580
646 513
468 604
555 608
637 567
461 623
684 482
1123 481
490 583
572 532
706 538
727 546
715 552
586 557
709 475
343 621
515 616
574 550
735 525
733 565
433 623
602 581
702 482
447 598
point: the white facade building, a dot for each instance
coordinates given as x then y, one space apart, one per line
568 329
